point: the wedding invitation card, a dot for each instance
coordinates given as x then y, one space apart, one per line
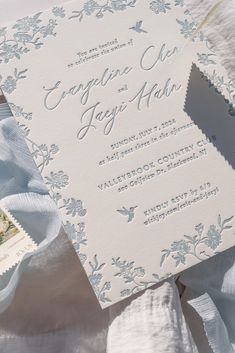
98 90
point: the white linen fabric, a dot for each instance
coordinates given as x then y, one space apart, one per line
48 306
153 322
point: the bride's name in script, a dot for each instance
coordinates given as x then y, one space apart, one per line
56 94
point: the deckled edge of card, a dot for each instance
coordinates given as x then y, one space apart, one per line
13 250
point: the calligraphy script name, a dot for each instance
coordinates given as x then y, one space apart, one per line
91 118
150 59
57 94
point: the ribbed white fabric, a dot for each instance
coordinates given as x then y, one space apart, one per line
151 323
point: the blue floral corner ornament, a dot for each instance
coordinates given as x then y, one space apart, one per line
201 245
28 33
133 277
92 7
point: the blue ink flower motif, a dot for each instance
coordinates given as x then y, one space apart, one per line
74 207
91 7
96 278
118 5
58 11
160 6
190 245
27 23
133 276
187 28
57 180
180 246
214 238
48 30
43 154
76 234
9 52
27 34
127 270
19 112
23 129
10 84
179 259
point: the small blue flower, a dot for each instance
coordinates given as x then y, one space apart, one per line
9 51
70 230
54 149
74 207
95 279
49 29
27 23
58 11
90 6
159 6
179 259
213 238
181 246
9 85
125 293
57 180
187 28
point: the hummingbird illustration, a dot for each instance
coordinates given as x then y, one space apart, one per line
130 213
138 28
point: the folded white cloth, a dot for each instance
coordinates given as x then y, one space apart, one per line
153 322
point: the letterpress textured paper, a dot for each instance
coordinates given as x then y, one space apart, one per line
98 90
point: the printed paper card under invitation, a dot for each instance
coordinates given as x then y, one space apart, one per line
14 241
98 89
